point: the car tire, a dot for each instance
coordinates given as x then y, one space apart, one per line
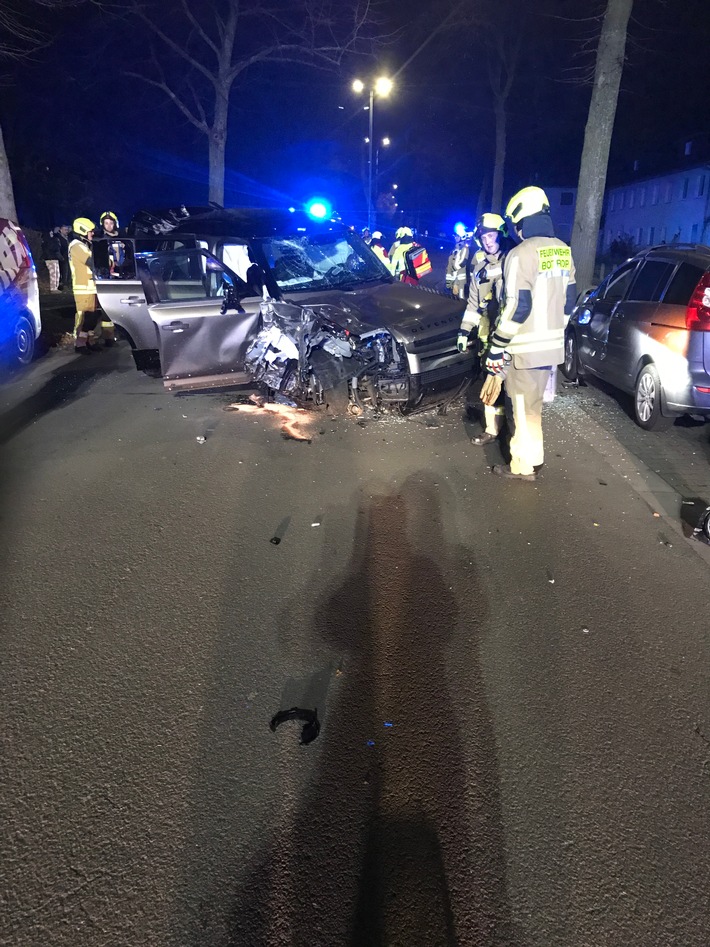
570 366
23 342
647 401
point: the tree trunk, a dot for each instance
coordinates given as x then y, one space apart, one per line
217 139
499 162
7 195
597 139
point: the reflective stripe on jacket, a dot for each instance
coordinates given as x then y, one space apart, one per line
82 275
539 294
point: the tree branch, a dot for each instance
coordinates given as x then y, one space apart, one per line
199 121
176 48
201 32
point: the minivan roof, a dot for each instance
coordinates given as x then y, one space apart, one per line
697 252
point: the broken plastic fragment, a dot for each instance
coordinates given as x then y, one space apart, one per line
388 724
200 439
369 742
315 524
311 725
657 515
275 540
585 631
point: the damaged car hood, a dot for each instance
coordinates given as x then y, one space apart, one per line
412 315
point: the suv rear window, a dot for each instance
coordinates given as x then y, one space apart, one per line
682 285
650 281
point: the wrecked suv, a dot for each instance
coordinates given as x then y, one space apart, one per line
228 297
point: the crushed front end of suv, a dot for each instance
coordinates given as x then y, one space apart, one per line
303 307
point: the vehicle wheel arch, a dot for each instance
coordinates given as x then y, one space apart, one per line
14 355
643 361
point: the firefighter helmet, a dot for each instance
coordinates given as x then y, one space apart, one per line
404 232
377 235
529 201
488 223
83 226
108 213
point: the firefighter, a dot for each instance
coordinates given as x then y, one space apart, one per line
484 297
83 285
108 222
457 269
528 339
378 248
404 242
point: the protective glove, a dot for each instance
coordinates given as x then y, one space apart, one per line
496 361
462 341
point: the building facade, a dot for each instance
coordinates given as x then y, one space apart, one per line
666 208
562 204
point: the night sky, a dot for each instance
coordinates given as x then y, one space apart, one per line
83 137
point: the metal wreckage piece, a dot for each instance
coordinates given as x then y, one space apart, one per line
301 353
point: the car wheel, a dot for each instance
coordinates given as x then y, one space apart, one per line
570 366
23 342
647 401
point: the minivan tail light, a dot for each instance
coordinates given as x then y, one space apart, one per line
697 315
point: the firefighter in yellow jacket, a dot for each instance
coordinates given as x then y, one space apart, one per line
484 297
528 339
83 285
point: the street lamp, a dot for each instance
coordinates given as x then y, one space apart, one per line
381 87
385 143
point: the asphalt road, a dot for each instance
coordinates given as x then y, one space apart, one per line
512 679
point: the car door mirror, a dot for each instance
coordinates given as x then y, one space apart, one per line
231 298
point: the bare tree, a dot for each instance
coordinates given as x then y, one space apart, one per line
217 42
504 42
597 138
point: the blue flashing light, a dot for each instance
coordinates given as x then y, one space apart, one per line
319 208
292 210
460 229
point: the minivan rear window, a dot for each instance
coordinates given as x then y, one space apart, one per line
682 285
650 281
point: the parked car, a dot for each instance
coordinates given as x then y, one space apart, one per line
20 322
646 330
222 297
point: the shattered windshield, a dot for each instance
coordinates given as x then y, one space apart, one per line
323 261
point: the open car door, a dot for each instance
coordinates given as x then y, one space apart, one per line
205 314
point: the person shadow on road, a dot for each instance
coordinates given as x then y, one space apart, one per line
399 839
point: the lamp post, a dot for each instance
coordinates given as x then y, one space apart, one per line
381 87
385 143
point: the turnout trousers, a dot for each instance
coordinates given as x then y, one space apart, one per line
525 388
